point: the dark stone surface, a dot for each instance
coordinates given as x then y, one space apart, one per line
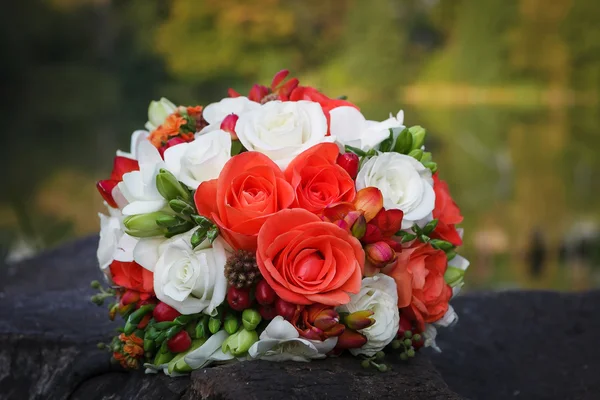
523 345
529 345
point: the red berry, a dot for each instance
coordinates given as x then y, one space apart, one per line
180 342
267 311
264 293
238 299
164 312
349 162
285 309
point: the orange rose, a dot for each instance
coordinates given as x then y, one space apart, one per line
306 260
250 188
317 180
423 294
133 276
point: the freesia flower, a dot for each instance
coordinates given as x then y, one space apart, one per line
139 187
209 352
280 341
215 113
378 294
114 243
447 213
250 188
351 128
404 182
201 160
282 130
191 280
306 260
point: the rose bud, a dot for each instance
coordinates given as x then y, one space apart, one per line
228 125
349 162
164 312
380 254
180 342
350 340
359 320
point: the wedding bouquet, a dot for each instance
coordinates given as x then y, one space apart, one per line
279 226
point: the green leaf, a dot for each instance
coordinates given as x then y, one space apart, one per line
386 145
430 227
354 150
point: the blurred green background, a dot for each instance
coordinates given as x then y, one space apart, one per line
508 90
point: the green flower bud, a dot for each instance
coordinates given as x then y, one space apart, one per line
365 364
168 221
169 187
427 229
386 145
214 325
202 221
359 227
418 136
404 142
144 225
202 330
212 234
416 154
239 343
250 319
454 276
417 338
181 207
380 355
163 358
431 165
426 157
158 111
231 324
441 244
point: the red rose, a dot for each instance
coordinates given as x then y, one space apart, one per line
317 180
133 276
428 293
250 189
447 213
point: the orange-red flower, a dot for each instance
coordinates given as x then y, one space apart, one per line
121 166
131 275
131 351
171 127
248 191
422 290
317 180
447 213
306 260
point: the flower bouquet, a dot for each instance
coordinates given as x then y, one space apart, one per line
278 226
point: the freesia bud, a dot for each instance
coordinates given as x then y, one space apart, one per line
198 236
228 125
144 225
169 187
250 319
231 324
181 207
416 154
158 111
350 340
326 319
202 330
214 325
370 201
239 343
404 142
418 136
279 77
167 221
359 320
129 297
359 228
454 276
349 162
380 254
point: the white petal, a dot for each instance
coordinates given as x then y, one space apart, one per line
125 247
146 252
198 358
279 329
144 207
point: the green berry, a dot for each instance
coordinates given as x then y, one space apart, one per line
411 352
417 338
382 368
404 356
407 342
365 364
380 355
396 344
408 334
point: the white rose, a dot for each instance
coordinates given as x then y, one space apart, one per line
139 187
201 160
282 130
114 243
280 341
158 111
404 182
378 294
215 113
191 280
351 128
